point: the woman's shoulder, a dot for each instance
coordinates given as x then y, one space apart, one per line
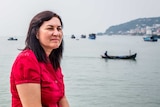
26 54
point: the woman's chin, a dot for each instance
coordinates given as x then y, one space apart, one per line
55 46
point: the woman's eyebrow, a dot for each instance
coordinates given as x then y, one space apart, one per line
53 26
50 25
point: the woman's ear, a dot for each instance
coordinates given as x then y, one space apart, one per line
37 36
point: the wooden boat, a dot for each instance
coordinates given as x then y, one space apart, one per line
132 56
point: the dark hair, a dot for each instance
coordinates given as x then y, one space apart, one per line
32 42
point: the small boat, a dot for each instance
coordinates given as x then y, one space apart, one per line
132 56
73 37
12 38
83 36
92 36
151 39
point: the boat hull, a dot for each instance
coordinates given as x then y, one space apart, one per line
151 39
120 57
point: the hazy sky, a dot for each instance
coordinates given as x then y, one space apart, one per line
78 16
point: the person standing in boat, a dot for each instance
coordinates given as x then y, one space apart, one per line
105 53
36 78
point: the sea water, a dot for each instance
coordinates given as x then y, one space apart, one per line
95 82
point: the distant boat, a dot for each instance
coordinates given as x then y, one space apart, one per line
92 36
73 37
83 36
132 56
150 38
12 38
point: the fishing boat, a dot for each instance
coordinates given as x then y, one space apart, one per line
131 56
92 36
12 38
150 38
83 36
73 37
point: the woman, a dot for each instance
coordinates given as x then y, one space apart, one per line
36 79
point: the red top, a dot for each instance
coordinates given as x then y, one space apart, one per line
27 69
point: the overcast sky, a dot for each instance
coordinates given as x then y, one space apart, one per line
78 16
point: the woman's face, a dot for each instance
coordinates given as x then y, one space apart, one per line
50 34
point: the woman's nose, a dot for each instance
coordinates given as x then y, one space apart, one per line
55 32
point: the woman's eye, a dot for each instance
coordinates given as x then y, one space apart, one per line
49 28
59 28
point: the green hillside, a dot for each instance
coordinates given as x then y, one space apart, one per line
133 24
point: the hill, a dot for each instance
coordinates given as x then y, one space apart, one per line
134 25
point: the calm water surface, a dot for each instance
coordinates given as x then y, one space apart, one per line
95 82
